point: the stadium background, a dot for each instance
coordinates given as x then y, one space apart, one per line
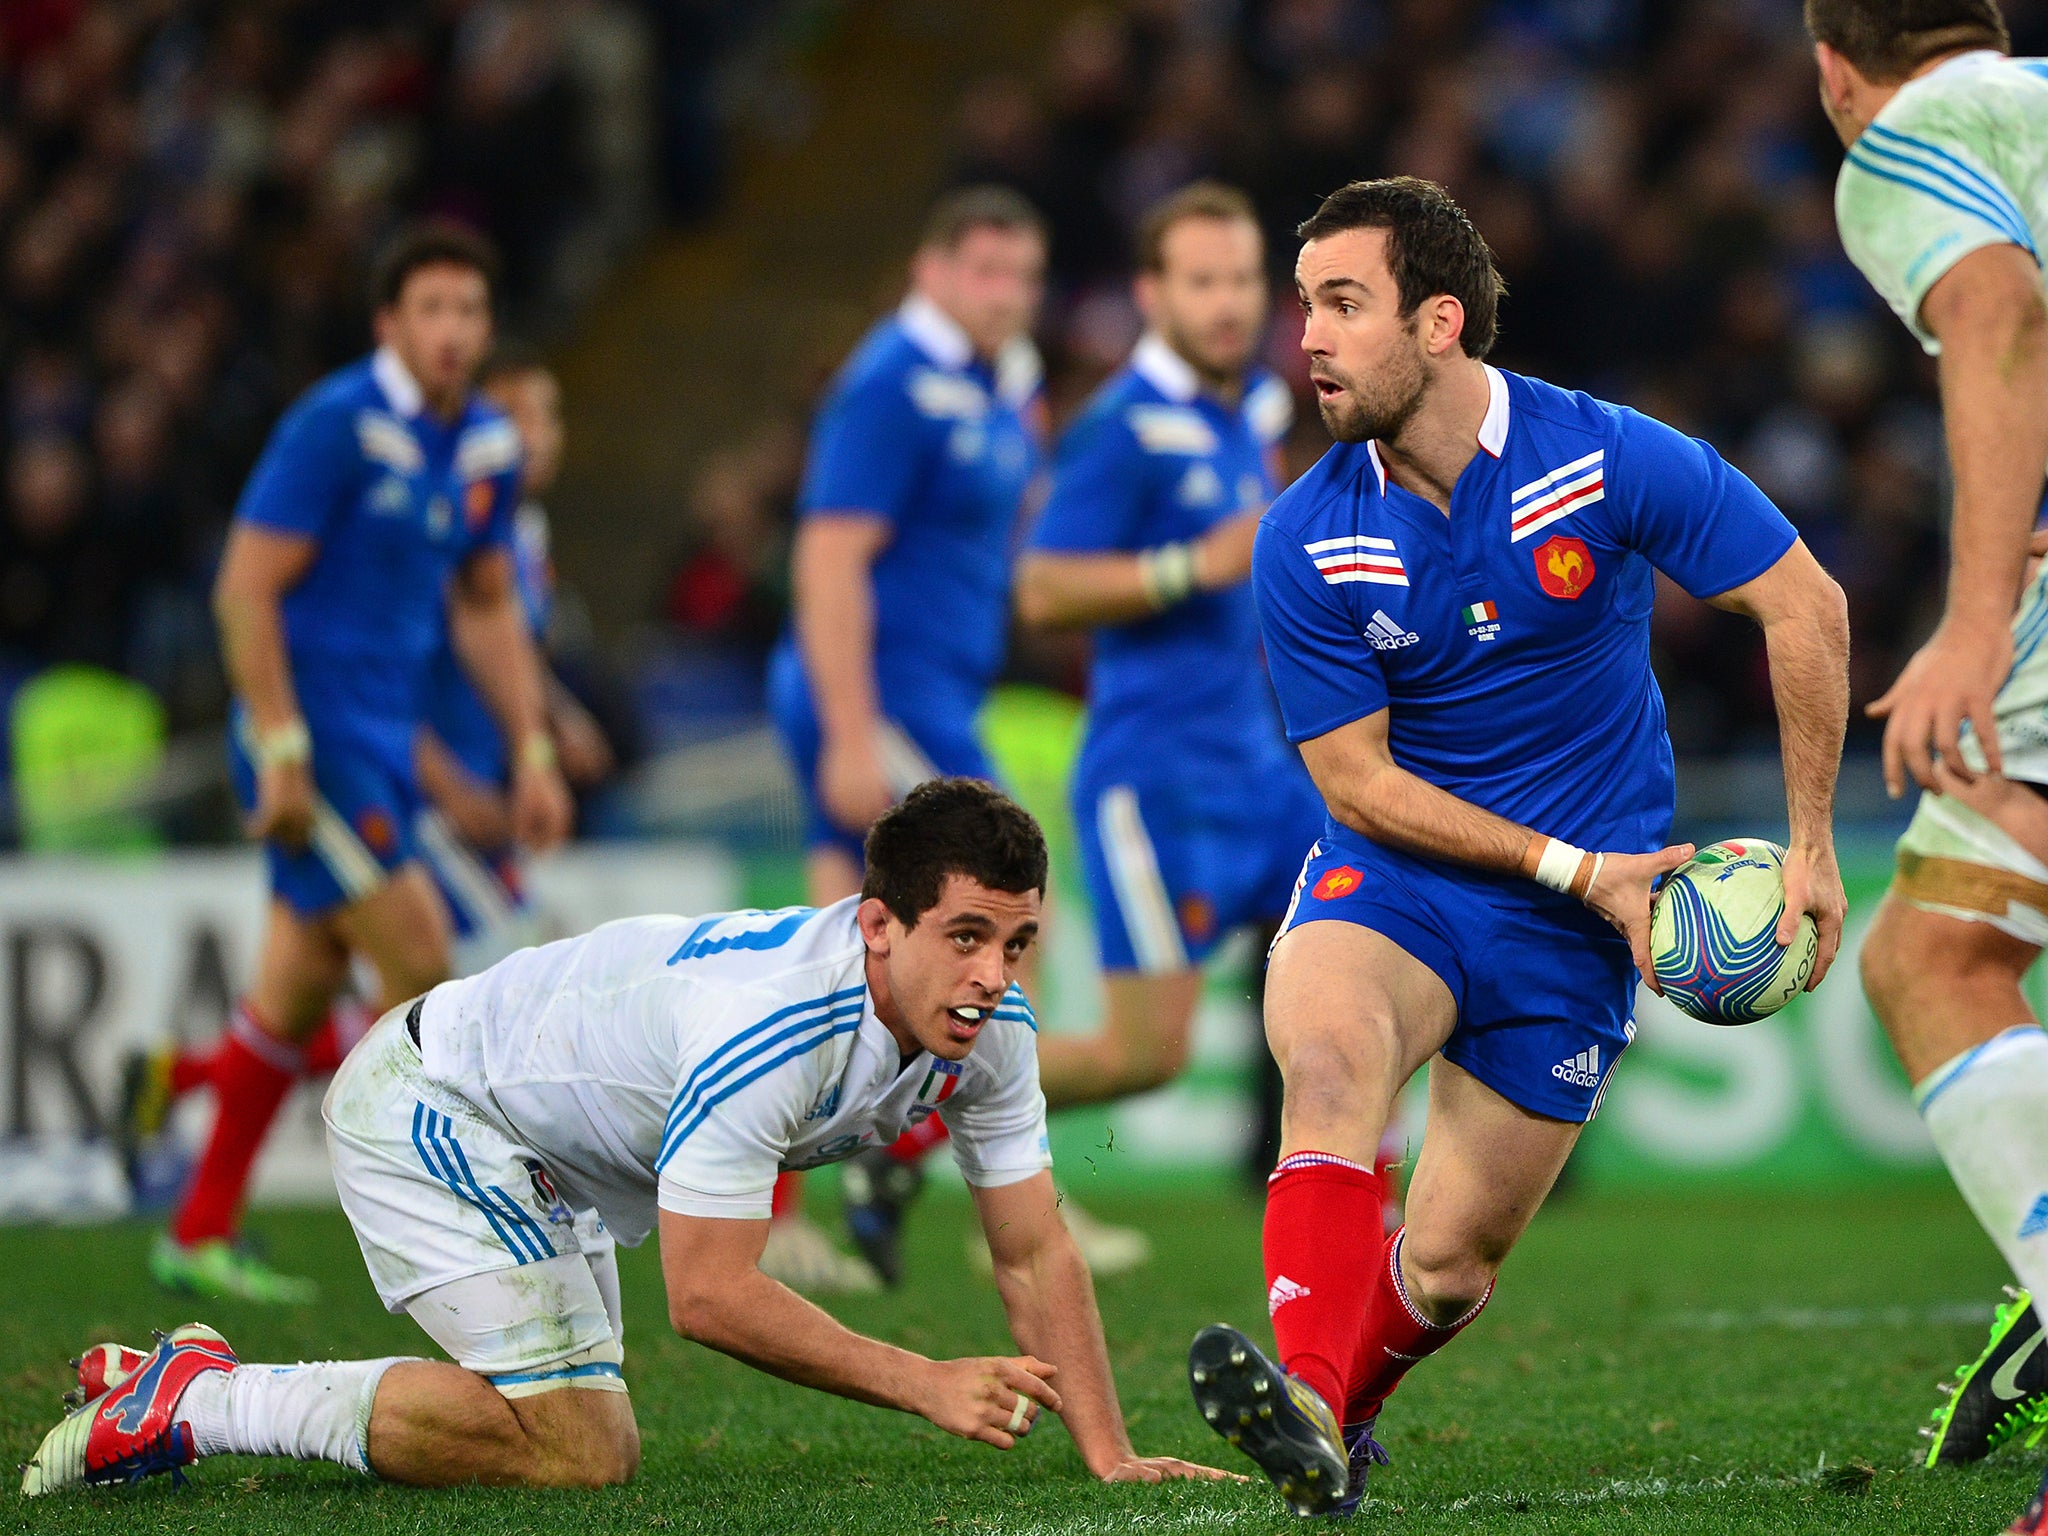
702 205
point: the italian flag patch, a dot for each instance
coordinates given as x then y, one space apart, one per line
939 1082
1481 613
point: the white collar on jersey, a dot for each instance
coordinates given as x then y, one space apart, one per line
1493 426
1154 361
937 334
397 382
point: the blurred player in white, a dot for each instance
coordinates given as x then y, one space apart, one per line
1943 203
663 1069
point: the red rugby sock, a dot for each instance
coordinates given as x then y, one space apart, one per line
346 1023
191 1069
1396 1336
1322 1245
252 1072
788 1197
917 1140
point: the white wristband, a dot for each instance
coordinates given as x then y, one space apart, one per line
1167 573
283 744
1559 865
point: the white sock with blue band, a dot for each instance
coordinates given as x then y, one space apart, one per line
1988 1113
318 1412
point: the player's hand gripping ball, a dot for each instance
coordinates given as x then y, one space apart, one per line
1714 934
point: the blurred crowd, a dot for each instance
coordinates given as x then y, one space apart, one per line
190 190
190 195
1656 180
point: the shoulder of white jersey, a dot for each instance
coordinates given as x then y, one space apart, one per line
755 947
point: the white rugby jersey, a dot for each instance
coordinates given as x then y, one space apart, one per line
685 1061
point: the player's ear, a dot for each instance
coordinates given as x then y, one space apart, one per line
1145 293
1445 324
872 918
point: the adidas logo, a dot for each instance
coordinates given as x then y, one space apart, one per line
1582 1070
1284 1290
1383 634
2036 1221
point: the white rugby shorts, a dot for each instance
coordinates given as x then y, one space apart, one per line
464 1230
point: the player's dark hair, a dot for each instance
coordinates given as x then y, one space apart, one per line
1432 248
1196 200
951 827
430 243
959 213
1888 39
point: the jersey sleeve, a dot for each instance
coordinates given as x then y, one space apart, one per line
306 473
1324 673
729 1126
1914 199
1101 484
868 451
999 1134
1696 517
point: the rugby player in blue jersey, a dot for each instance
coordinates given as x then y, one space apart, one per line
900 574
1456 604
1146 539
465 829
380 512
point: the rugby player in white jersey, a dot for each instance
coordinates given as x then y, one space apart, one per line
1943 203
663 1069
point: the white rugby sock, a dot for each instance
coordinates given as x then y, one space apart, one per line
318 1412
1988 1112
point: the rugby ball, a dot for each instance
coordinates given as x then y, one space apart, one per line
1714 934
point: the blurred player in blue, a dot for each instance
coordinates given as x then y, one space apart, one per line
900 574
1146 539
465 829
1456 604
379 514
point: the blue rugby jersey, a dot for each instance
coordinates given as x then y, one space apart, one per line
396 500
1154 458
919 431
455 711
1510 641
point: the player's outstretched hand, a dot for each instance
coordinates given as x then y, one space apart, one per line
1954 677
1161 1469
1813 886
284 805
980 1398
542 813
1621 894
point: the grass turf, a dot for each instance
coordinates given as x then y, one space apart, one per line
1736 1363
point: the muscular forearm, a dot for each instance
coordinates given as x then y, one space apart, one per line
1809 656
497 653
1994 395
1391 805
770 1327
258 665
835 631
1051 1305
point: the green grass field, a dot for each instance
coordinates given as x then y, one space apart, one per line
1734 1363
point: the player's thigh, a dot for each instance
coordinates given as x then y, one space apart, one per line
1350 1017
1485 1167
302 964
1151 1018
403 928
1941 984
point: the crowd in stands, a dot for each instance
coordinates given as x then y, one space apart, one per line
190 195
190 190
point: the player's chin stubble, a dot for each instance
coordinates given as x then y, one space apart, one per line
1352 417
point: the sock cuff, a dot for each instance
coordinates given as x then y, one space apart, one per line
1414 1313
246 1029
358 1454
1950 1072
1326 1164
